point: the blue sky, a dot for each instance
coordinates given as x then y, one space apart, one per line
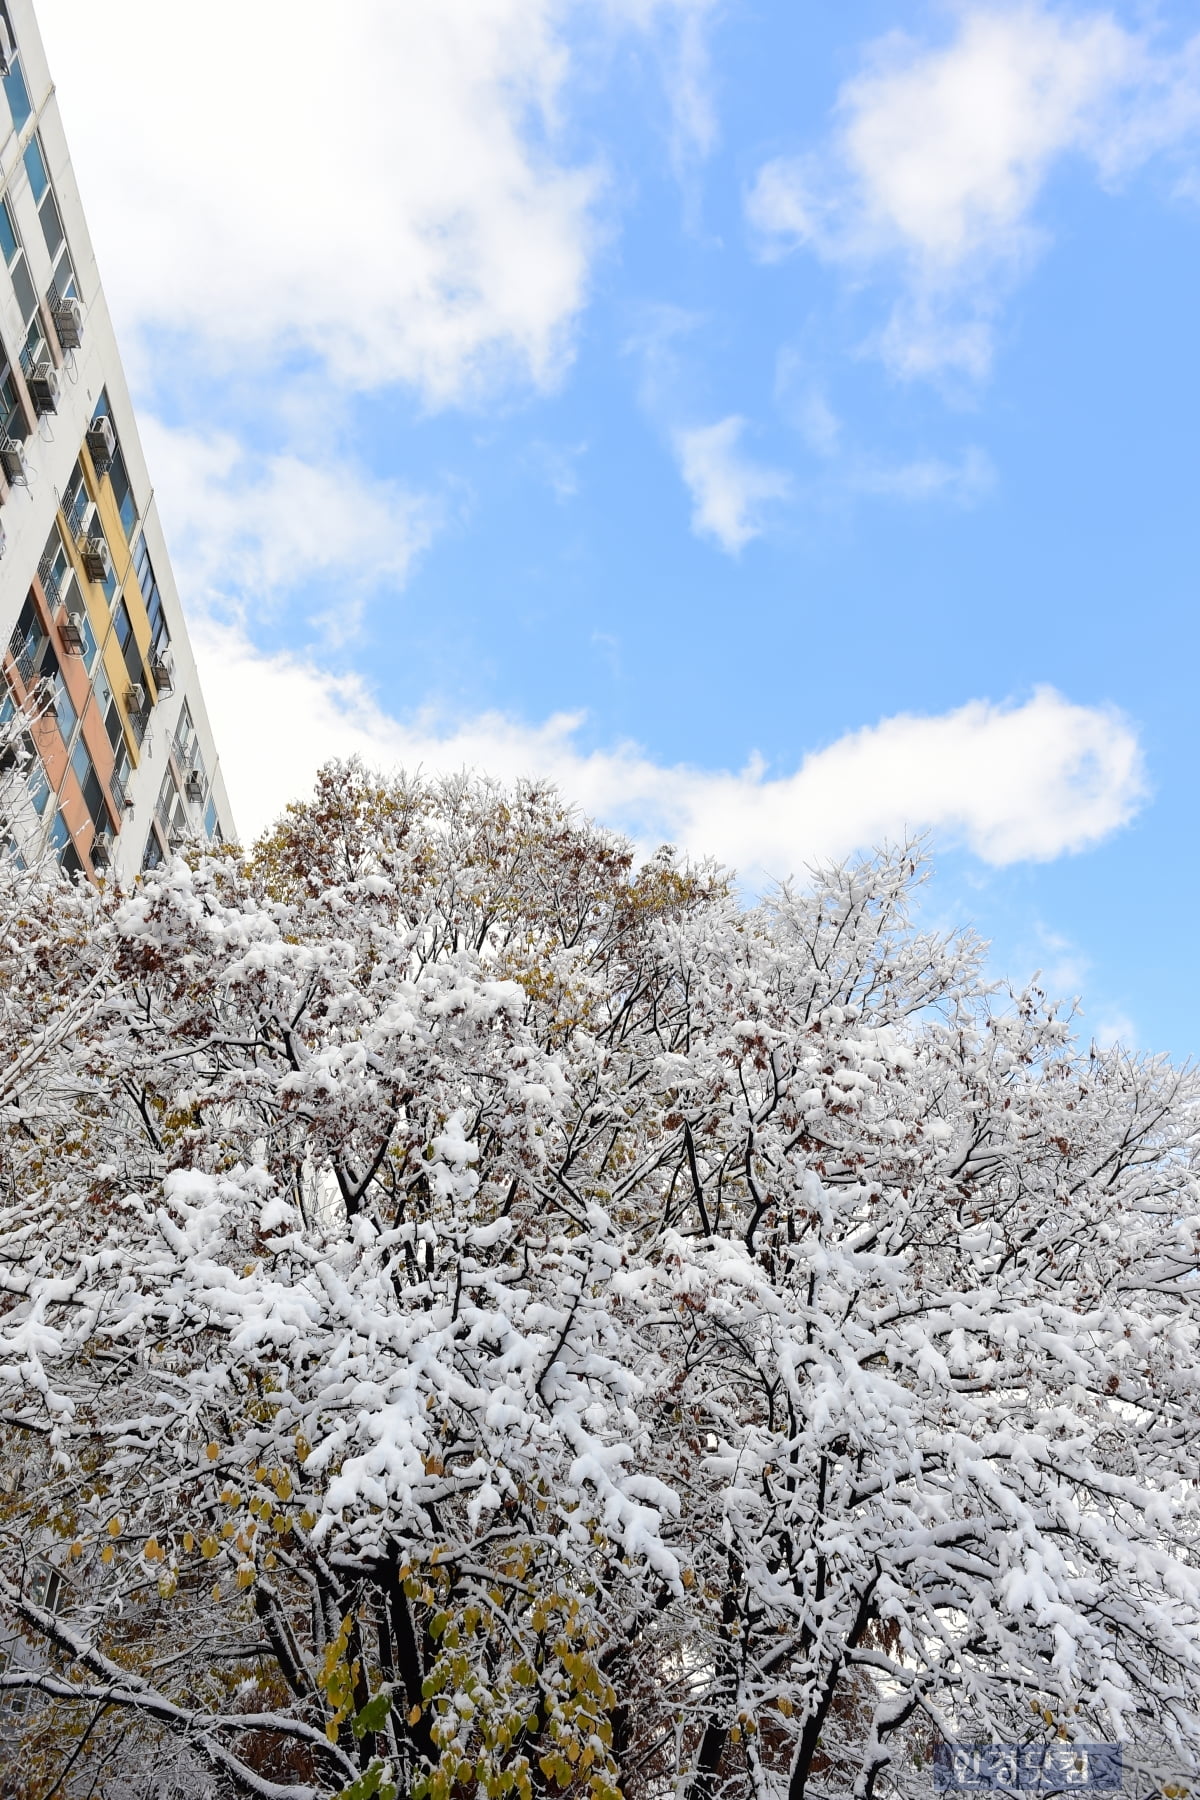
776 421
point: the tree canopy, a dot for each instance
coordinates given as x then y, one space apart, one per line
482 1316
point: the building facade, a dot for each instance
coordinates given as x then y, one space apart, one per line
108 761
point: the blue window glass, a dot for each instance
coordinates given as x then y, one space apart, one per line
39 787
64 711
18 96
81 762
8 234
89 640
123 495
35 168
60 835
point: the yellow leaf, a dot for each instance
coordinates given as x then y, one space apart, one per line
114 1528
189 1542
414 1715
331 1732
76 1550
216 1593
209 1548
245 1578
227 1529
270 1559
212 1451
106 1555
153 1553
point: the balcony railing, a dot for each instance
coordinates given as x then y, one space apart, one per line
75 511
25 659
50 582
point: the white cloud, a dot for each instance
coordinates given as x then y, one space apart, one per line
251 529
686 67
1114 1028
728 490
938 156
963 482
376 184
1014 782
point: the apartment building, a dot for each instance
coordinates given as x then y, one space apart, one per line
108 761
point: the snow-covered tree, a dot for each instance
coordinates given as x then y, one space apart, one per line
479 1316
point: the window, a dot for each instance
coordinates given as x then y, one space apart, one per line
90 786
143 571
45 1588
57 576
38 783
27 641
16 264
77 501
110 712
14 81
33 350
12 416
118 786
117 473
60 834
128 643
64 284
153 855
64 709
122 493
185 736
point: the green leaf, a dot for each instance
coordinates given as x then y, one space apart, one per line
373 1716
371 1785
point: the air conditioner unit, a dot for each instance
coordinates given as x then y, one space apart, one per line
97 558
71 634
101 856
164 675
44 389
135 697
7 51
13 465
102 444
68 322
194 787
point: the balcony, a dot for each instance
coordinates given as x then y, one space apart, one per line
119 792
51 586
